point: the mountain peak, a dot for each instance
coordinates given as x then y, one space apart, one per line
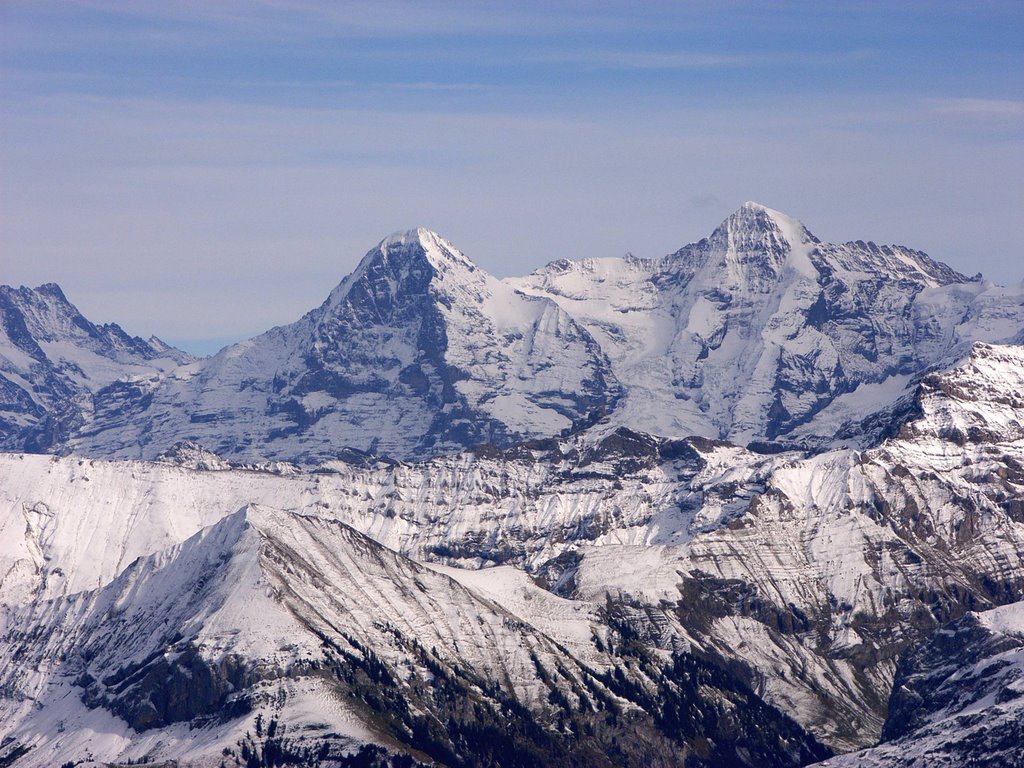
420 235
753 221
405 260
421 241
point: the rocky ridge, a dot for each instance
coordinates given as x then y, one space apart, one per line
761 332
54 362
418 352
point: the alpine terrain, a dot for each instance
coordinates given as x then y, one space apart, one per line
759 502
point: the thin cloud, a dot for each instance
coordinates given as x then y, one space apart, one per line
72 85
311 19
706 200
642 59
696 60
995 108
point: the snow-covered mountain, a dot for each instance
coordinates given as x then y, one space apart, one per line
752 503
418 352
758 333
761 332
53 361
317 631
789 584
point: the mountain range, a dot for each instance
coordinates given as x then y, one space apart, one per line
757 334
758 502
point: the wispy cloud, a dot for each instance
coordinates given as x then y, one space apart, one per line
994 108
606 59
313 19
244 153
698 60
707 200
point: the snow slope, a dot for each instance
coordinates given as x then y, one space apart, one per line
959 698
847 557
813 573
757 333
305 622
71 523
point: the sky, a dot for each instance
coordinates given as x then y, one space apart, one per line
203 170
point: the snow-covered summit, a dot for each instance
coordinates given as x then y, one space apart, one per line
407 253
756 226
754 332
812 573
433 246
757 333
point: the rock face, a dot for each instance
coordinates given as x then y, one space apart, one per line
761 332
958 697
418 352
758 334
53 362
266 614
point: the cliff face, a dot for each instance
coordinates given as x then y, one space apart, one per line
759 334
53 361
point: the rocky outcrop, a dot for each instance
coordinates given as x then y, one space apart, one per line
759 334
957 699
803 577
241 619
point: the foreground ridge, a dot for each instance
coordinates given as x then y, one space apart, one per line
759 502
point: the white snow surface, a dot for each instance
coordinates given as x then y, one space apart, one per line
813 570
265 586
759 332
53 359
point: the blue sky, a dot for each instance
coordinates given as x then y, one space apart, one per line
205 170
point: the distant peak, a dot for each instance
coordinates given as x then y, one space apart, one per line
52 289
753 218
780 219
437 249
417 253
418 235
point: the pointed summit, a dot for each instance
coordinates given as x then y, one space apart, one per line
407 236
420 242
754 225
406 261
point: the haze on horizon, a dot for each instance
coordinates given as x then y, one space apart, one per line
208 170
